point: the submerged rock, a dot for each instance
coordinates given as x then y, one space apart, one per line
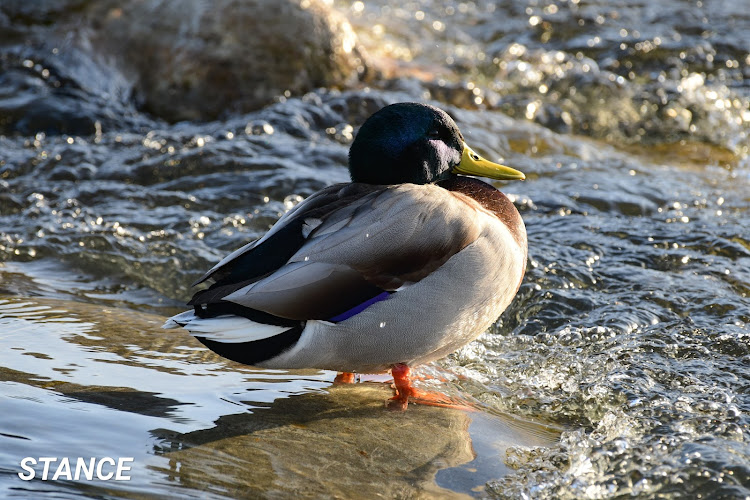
340 443
199 60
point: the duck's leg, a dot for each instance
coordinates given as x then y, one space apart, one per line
344 378
404 389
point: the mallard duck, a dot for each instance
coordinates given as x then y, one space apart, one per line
402 266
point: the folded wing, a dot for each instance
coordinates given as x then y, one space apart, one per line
340 248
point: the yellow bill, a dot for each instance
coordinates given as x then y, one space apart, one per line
473 164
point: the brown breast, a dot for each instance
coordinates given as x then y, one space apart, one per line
491 200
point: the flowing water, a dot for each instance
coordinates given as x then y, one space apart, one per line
622 368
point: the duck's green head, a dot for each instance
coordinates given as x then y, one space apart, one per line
417 143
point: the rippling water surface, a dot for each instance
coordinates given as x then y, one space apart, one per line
625 357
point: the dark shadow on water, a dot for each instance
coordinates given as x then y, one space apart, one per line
342 443
296 410
122 399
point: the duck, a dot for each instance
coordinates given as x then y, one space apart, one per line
411 260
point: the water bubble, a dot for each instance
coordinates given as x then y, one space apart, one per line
259 127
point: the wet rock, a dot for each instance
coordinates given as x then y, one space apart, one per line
39 11
57 88
54 116
197 61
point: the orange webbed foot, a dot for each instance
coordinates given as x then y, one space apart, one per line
403 387
344 378
406 392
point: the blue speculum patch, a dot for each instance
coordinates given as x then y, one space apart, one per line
359 308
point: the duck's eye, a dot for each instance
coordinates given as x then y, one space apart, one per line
433 134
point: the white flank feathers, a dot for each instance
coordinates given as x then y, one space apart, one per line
228 329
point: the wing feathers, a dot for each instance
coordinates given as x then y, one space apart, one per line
388 248
307 291
227 329
216 292
342 247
